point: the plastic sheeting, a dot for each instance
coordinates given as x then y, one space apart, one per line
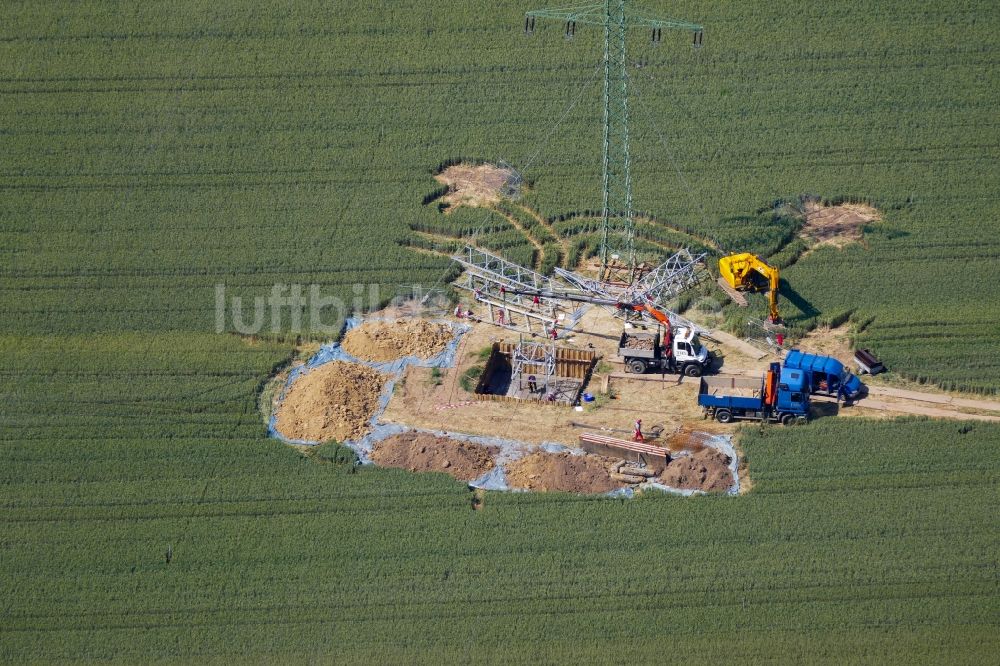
334 352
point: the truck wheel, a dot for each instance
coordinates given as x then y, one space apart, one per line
692 370
786 419
724 416
801 420
637 366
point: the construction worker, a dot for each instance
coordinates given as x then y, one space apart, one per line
637 435
532 384
535 302
458 311
553 332
671 361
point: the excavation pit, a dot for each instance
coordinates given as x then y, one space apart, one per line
530 371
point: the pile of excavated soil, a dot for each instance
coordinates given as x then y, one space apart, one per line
380 341
562 472
473 185
706 469
423 452
334 401
836 225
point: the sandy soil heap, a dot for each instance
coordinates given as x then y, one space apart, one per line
562 472
836 225
423 452
473 185
706 469
334 401
386 341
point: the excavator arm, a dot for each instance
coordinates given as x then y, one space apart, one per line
737 269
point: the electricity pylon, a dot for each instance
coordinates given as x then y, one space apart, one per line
618 224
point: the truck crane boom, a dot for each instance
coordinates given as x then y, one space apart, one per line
679 350
658 315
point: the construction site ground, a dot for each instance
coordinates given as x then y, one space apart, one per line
336 401
422 402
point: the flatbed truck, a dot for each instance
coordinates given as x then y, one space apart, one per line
643 352
781 395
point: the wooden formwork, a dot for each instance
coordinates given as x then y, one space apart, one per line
572 366
570 363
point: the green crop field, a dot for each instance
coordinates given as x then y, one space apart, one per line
154 151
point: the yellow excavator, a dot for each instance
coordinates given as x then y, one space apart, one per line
748 272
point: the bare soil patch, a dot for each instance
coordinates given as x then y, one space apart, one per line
836 226
334 401
826 341
563 472
706 469
424 452
473 184
380 341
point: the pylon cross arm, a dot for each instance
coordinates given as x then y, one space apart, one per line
596 15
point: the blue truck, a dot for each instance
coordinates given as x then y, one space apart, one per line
782 395
827 375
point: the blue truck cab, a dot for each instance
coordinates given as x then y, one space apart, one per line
782 394
827 375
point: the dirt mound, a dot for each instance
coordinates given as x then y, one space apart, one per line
423 452
473 185
334 401
386 341
562 472
836 225
705 469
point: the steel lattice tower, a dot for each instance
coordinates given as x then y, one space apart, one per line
617 221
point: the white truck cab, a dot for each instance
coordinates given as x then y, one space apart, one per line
643 351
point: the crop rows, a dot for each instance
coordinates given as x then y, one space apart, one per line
154 151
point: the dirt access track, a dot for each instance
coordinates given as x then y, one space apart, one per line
473 185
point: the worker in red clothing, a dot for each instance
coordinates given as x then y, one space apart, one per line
535 302
637 435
